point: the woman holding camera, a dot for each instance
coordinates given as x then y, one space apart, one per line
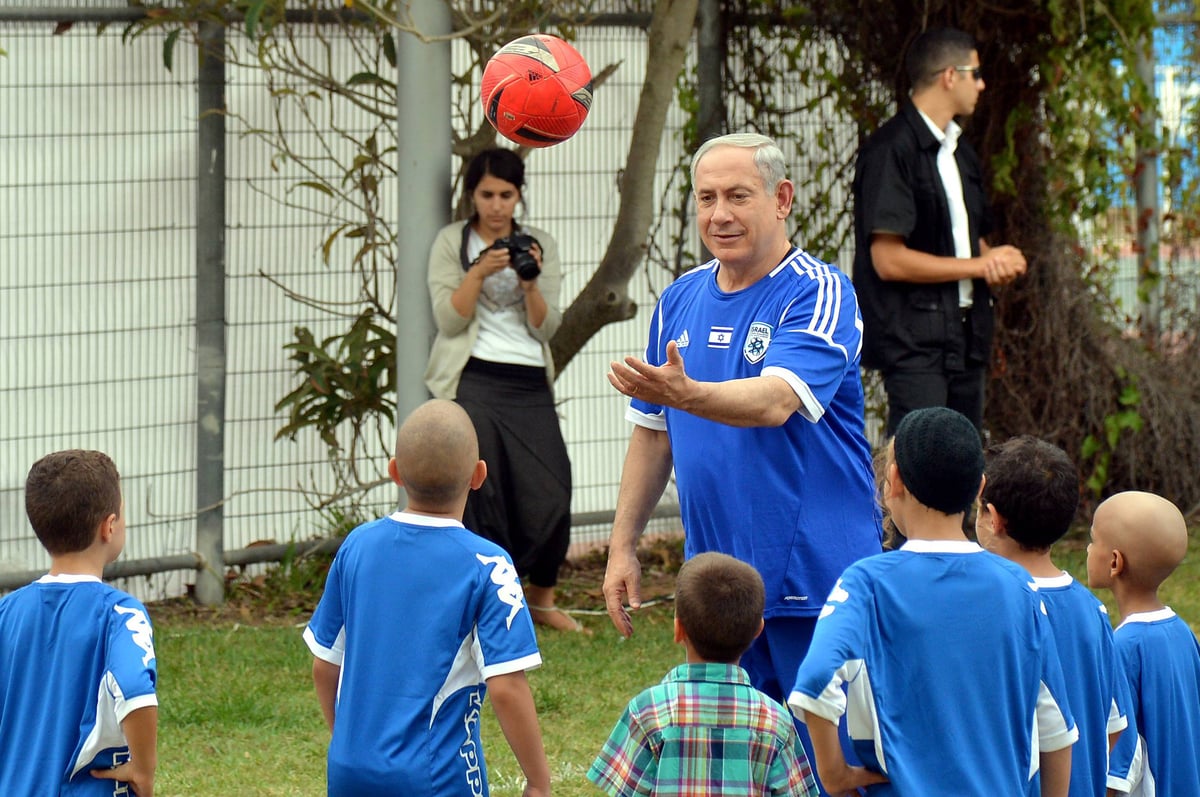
494 286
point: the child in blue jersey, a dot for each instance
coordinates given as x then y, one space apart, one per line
420 619
939 654
705 731
1138 539
78 710
1030 495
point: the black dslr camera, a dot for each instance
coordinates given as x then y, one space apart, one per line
519 255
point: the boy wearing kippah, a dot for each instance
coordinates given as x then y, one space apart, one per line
705 730
1029 500
1138 539
939 654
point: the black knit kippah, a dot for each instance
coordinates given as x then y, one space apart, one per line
940 458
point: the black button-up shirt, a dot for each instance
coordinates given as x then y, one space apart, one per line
898 190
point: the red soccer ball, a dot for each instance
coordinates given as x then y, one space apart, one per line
536 90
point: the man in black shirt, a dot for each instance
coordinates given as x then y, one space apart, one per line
922 269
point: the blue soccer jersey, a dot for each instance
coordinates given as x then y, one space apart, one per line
418 612
76 658
1094 679
1162 662
796 501
940 657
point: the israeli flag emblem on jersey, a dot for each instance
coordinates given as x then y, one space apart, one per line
757 341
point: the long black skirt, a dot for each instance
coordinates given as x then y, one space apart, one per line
524 505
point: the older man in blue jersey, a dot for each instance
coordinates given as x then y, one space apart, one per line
764 426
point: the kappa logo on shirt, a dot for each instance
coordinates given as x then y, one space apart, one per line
469 751
837 595
719 337
505 576
757 341
140 632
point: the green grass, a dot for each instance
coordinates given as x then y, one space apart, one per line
238 714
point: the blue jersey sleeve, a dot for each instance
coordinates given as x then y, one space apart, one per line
836 654
1055 725
641 412
819 336
1120 715
1127 759
505 628
131 659
324 634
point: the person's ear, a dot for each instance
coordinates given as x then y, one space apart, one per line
761 625
1117 564
394 472
784 194
478 475
998 521
107 528
680 636
893 485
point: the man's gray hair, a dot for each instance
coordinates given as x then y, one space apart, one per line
768 157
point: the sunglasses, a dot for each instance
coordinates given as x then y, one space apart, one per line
975 72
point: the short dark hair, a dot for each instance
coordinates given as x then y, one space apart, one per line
498 162
935 50
719 603
68 494
1035 487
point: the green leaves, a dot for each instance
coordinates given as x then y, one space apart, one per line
344 379
168 53
1100 447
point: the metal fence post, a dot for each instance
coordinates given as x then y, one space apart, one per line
210 315
423 135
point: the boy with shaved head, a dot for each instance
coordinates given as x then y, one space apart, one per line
1138 539
419 619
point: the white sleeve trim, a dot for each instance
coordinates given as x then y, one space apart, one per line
132 704
657 422
530 662
333 655
1052 730
1119 784
1116 720
799 703
831 703
810 408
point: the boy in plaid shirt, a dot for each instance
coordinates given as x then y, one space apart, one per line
705 731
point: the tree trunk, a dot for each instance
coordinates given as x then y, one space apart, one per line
605 299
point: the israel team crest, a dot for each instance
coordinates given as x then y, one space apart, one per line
757 341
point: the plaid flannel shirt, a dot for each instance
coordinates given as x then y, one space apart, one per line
704 732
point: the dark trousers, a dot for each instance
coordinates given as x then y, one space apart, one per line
914 390
524 505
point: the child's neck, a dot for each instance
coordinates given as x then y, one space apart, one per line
1038 563
928 524
78 563
692 657
451 511
1132 599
